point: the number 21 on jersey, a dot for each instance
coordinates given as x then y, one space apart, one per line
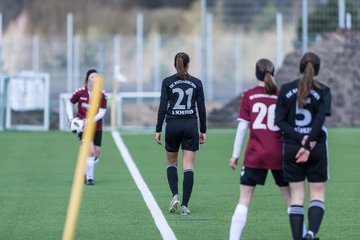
181 94
264 112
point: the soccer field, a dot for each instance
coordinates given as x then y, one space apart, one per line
37 168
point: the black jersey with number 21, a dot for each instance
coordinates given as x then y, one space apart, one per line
179 98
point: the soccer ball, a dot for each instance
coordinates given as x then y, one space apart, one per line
77 125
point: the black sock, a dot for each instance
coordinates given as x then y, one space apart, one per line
315 215
296 215
187 186
172 177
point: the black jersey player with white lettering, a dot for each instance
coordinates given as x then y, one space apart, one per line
181 102
300 113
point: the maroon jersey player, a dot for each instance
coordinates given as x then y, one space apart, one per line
82 97
257 109
263 150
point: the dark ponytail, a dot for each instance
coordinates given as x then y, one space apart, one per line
181 63
270 86
88 73
309 68
265 72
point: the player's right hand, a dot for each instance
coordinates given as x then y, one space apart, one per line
302 155
202 138
69 122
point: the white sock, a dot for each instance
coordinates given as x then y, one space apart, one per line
90 168
304 229
311 233
238 222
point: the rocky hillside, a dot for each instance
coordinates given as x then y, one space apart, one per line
340 70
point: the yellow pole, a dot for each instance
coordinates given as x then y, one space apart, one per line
78 182
114 104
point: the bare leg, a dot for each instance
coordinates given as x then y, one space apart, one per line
97 153
286 194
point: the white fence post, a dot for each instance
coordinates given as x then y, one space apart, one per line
70 42
279 39
305 25
35 54
117 52
348 21
341 17
1 31
238 65
203 42
209 58
157 62
76 80
139 51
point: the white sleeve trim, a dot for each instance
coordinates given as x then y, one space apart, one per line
100 114
241 119
239 138
69 110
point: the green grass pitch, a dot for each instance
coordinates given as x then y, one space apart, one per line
36 170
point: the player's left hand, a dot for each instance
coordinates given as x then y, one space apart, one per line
312 143
158 138
233 163
302 155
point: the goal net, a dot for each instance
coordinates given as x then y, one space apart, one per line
26 100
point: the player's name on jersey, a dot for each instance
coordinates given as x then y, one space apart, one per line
182 81
302 130
294 90
182 112
261 95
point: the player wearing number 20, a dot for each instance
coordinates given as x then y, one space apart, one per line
180 94
300 113
263 150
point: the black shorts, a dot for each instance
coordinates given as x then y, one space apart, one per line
315 169
97 138
182 132
253 177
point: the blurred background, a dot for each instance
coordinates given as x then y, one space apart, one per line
134 42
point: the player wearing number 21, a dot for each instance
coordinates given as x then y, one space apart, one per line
180 94
300 113
263 150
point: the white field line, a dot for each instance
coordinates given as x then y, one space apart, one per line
159 218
